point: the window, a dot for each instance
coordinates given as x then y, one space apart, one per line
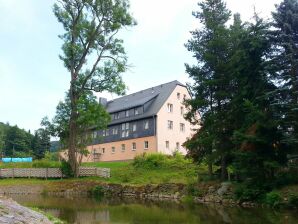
134 127
126 133
95 134
125 130
123 126
113 149
146 144
181 110
134 146
182 127
115 131
123 134
177 145
103 150
184 97
126 126
123 147
167 144
116 116
146 125
104 133
170 107
170 124
178 96
127 113
107 132
136 111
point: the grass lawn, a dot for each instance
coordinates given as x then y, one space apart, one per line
146 169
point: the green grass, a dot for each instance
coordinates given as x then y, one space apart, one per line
35 164
144 169
52 218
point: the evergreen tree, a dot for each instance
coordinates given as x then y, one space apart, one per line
211 81
285 59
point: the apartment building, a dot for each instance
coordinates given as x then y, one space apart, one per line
149 121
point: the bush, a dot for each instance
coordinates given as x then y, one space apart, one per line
293 200
158 161
194 190
97 192
273 199
66 169
245 192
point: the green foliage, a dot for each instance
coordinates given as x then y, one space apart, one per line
44 163
66 169
293 200
194 190
97 192
161 161
95 59
249 191
273 199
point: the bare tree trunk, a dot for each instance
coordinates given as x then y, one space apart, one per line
73 133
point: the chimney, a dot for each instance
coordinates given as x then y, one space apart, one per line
103 101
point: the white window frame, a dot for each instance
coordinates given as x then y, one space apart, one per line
113 149
122 147
170 108
134 127
146 125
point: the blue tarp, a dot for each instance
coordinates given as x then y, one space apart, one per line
17 160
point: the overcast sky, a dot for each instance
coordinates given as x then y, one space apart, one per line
33 79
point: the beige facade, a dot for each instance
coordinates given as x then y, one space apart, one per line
172 129
120 150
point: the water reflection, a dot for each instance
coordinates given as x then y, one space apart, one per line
84 210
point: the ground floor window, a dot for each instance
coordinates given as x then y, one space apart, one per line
113 149
134 146
123 147
167 144
146 145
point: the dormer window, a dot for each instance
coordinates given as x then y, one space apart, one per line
170 107
136 111
116 116
127 113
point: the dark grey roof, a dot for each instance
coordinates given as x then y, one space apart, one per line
158 94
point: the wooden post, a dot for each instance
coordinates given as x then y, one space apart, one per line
12 173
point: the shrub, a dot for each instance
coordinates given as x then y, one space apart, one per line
244 192
273 199
193 190
293 200
66 169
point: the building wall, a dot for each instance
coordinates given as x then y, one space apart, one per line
140 131
127 154
174 135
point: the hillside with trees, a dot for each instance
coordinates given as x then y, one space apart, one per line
16 142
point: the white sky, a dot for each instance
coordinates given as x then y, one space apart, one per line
33 79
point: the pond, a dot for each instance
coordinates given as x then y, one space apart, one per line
84 210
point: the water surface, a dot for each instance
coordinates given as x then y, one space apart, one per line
84 210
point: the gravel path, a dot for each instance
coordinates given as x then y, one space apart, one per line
13 213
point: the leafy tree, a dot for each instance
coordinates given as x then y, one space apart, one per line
211 80
92 116
90 33
285 59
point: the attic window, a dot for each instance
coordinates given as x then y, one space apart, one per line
170 107
178 96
